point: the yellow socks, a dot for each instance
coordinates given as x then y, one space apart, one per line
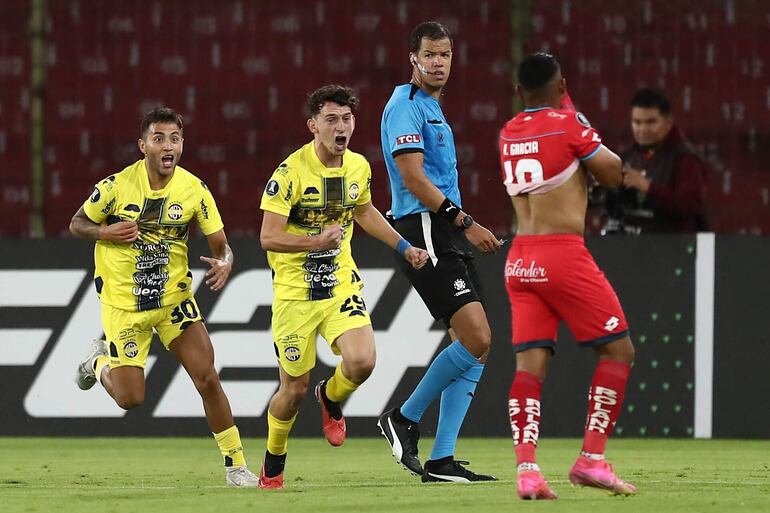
101 363
278 434
229 442
339 388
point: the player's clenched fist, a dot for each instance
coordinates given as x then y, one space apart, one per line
418 257
330 238
122 231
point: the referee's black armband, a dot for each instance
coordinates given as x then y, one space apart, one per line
448 210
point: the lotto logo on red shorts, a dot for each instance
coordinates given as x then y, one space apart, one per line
406 139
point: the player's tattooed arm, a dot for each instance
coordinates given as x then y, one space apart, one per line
222 261
122 231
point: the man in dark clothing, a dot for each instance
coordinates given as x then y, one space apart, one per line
664 180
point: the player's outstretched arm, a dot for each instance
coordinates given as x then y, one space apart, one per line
123 231
222 261
274 237
372 221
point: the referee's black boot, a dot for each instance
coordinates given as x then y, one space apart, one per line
448 470
402 435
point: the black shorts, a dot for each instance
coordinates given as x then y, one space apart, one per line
449 280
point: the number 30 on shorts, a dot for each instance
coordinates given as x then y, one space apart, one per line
185 310
354 305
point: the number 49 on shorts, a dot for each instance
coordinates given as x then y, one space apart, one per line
354 305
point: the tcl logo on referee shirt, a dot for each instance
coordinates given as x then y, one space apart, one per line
408 139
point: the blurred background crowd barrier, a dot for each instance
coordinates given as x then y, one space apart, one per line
701 361
76 77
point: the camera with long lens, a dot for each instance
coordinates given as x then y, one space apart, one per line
618 206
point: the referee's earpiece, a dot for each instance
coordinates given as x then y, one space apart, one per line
420 67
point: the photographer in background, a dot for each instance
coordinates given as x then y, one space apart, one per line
664 181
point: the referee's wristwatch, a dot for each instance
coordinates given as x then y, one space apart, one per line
466 222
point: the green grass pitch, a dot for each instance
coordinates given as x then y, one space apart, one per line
183 475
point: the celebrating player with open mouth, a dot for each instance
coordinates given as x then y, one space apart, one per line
140 220
309 206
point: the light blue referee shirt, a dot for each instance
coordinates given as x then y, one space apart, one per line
413 121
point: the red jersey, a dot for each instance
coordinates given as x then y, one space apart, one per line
540 149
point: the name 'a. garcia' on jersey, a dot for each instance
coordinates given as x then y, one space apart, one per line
541 148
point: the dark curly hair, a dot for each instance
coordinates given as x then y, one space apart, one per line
160 115
334 93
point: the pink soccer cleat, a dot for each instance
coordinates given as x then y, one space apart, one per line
270 483
599 474
334 429
531 485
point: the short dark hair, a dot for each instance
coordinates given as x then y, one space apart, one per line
652 98
160 115
536 70
432 30
341 95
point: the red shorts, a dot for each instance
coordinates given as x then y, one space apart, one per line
554 277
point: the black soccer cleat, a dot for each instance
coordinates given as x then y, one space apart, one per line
402 435
449 470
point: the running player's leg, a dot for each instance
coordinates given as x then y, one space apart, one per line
356 346
125 385
194 351
192 348
294 328
348 329
281 414
121 370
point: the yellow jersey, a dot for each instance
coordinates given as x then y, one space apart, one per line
313 197
152 271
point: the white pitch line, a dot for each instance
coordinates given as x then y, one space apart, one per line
305 485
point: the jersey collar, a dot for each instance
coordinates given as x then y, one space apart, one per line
146 180
417 90
317 160
535 109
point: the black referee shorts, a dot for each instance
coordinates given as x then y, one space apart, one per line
449 280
